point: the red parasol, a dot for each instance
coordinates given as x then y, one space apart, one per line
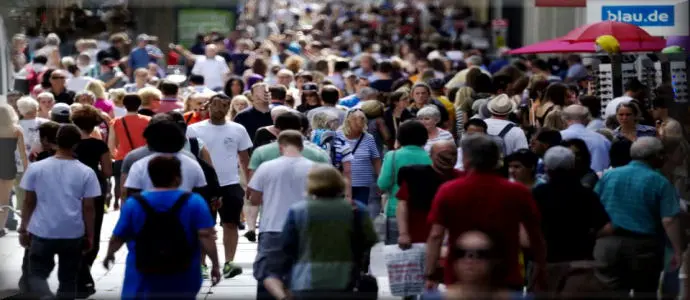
621 31
563 46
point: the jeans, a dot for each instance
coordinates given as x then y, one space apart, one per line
374 204
392 232
85 278
630 263
42 261
361 194
269 260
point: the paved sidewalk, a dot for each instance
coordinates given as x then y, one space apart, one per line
109 282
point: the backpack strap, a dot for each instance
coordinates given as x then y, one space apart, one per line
194 146
129 138
505 130
180 202
148 209
189 118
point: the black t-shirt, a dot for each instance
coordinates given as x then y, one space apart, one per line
238 60
89 152
253 119
44 154
146 112
66 97
422 184
263 136
571 216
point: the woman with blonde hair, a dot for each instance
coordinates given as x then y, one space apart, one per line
116 96
366 164
46 100
97 87
463 109
195 109
238 104
12 158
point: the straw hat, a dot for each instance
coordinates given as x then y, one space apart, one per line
501 105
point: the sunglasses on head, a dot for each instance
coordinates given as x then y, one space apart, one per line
477 254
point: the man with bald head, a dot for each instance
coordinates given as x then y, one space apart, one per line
418 186
213 67
577 117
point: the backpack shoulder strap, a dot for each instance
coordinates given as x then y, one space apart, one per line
180 202
194 146
505 130
148 209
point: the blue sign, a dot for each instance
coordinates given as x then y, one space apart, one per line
640 15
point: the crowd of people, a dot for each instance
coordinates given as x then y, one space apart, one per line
398 128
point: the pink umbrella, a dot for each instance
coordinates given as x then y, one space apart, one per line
563 46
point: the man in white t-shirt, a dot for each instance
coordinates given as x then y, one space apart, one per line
510 134
229 144
277 185
213 67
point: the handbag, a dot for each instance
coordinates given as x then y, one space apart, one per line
363 284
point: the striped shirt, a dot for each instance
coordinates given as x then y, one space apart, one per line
637 197
362 168
443 135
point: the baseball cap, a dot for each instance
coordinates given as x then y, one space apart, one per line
60 112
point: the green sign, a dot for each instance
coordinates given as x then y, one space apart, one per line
191 22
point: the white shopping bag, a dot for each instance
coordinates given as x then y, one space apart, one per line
405 269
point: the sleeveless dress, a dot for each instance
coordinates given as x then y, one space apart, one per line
8 165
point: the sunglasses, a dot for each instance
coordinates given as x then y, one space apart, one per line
56 78
476 254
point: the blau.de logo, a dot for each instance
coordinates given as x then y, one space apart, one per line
643 15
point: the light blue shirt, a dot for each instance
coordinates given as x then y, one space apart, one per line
59 199
596 124
597 144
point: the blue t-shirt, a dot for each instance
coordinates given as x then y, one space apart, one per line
195 215
139 58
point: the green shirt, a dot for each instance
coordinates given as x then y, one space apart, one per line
387 182
272 151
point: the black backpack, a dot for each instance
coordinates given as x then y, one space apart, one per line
161 245
212 188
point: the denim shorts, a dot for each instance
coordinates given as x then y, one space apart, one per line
270 259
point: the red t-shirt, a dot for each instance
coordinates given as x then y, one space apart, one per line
489 203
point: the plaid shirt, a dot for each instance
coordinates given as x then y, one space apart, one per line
637 197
